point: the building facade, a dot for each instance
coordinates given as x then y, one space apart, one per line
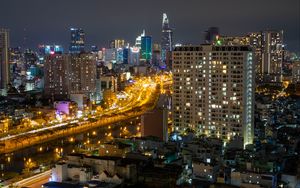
117 43
57 68
296 72
166 38
210 35
67 74
269 52
214 90
4 59
146 48
77 40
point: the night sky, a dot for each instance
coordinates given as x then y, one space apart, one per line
48 21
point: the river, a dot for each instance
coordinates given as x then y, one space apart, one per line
44 155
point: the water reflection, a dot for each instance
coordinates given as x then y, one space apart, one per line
43 156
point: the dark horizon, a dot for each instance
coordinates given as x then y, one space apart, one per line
48 22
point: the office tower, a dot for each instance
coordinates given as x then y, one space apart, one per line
268 46
134 56
4 59
117 43
110 55
50 49
119 55
77 40
210 35
126 55
146 48
166 38
67 74
138 40
156 55
214 90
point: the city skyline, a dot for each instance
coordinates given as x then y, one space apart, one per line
36 21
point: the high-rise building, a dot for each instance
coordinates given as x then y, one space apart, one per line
117 43
166 37
77 40
67 74
110 55
134 56
50 49
126 55
146 48
210 35
156 55
214 90
257 43
138 40
83 74
269 51
56 78
4 59
296 72
119 55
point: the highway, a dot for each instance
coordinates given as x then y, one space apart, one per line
135 97
35 181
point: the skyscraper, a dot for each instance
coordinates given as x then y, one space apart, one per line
134 56
117 43
210 35
4 59
166 38
146 48
138 40
77 40
269 52
214 90
126 55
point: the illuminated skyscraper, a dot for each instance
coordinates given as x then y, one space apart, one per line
77 40
126 55
214 91
117 43
146 48
138 40
4 59
50 49
166 38
134 56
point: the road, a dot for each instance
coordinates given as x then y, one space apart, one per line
35 181
136 97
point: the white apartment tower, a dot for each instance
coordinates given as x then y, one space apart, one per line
214 90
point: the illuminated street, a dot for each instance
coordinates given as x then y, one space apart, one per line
139 97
